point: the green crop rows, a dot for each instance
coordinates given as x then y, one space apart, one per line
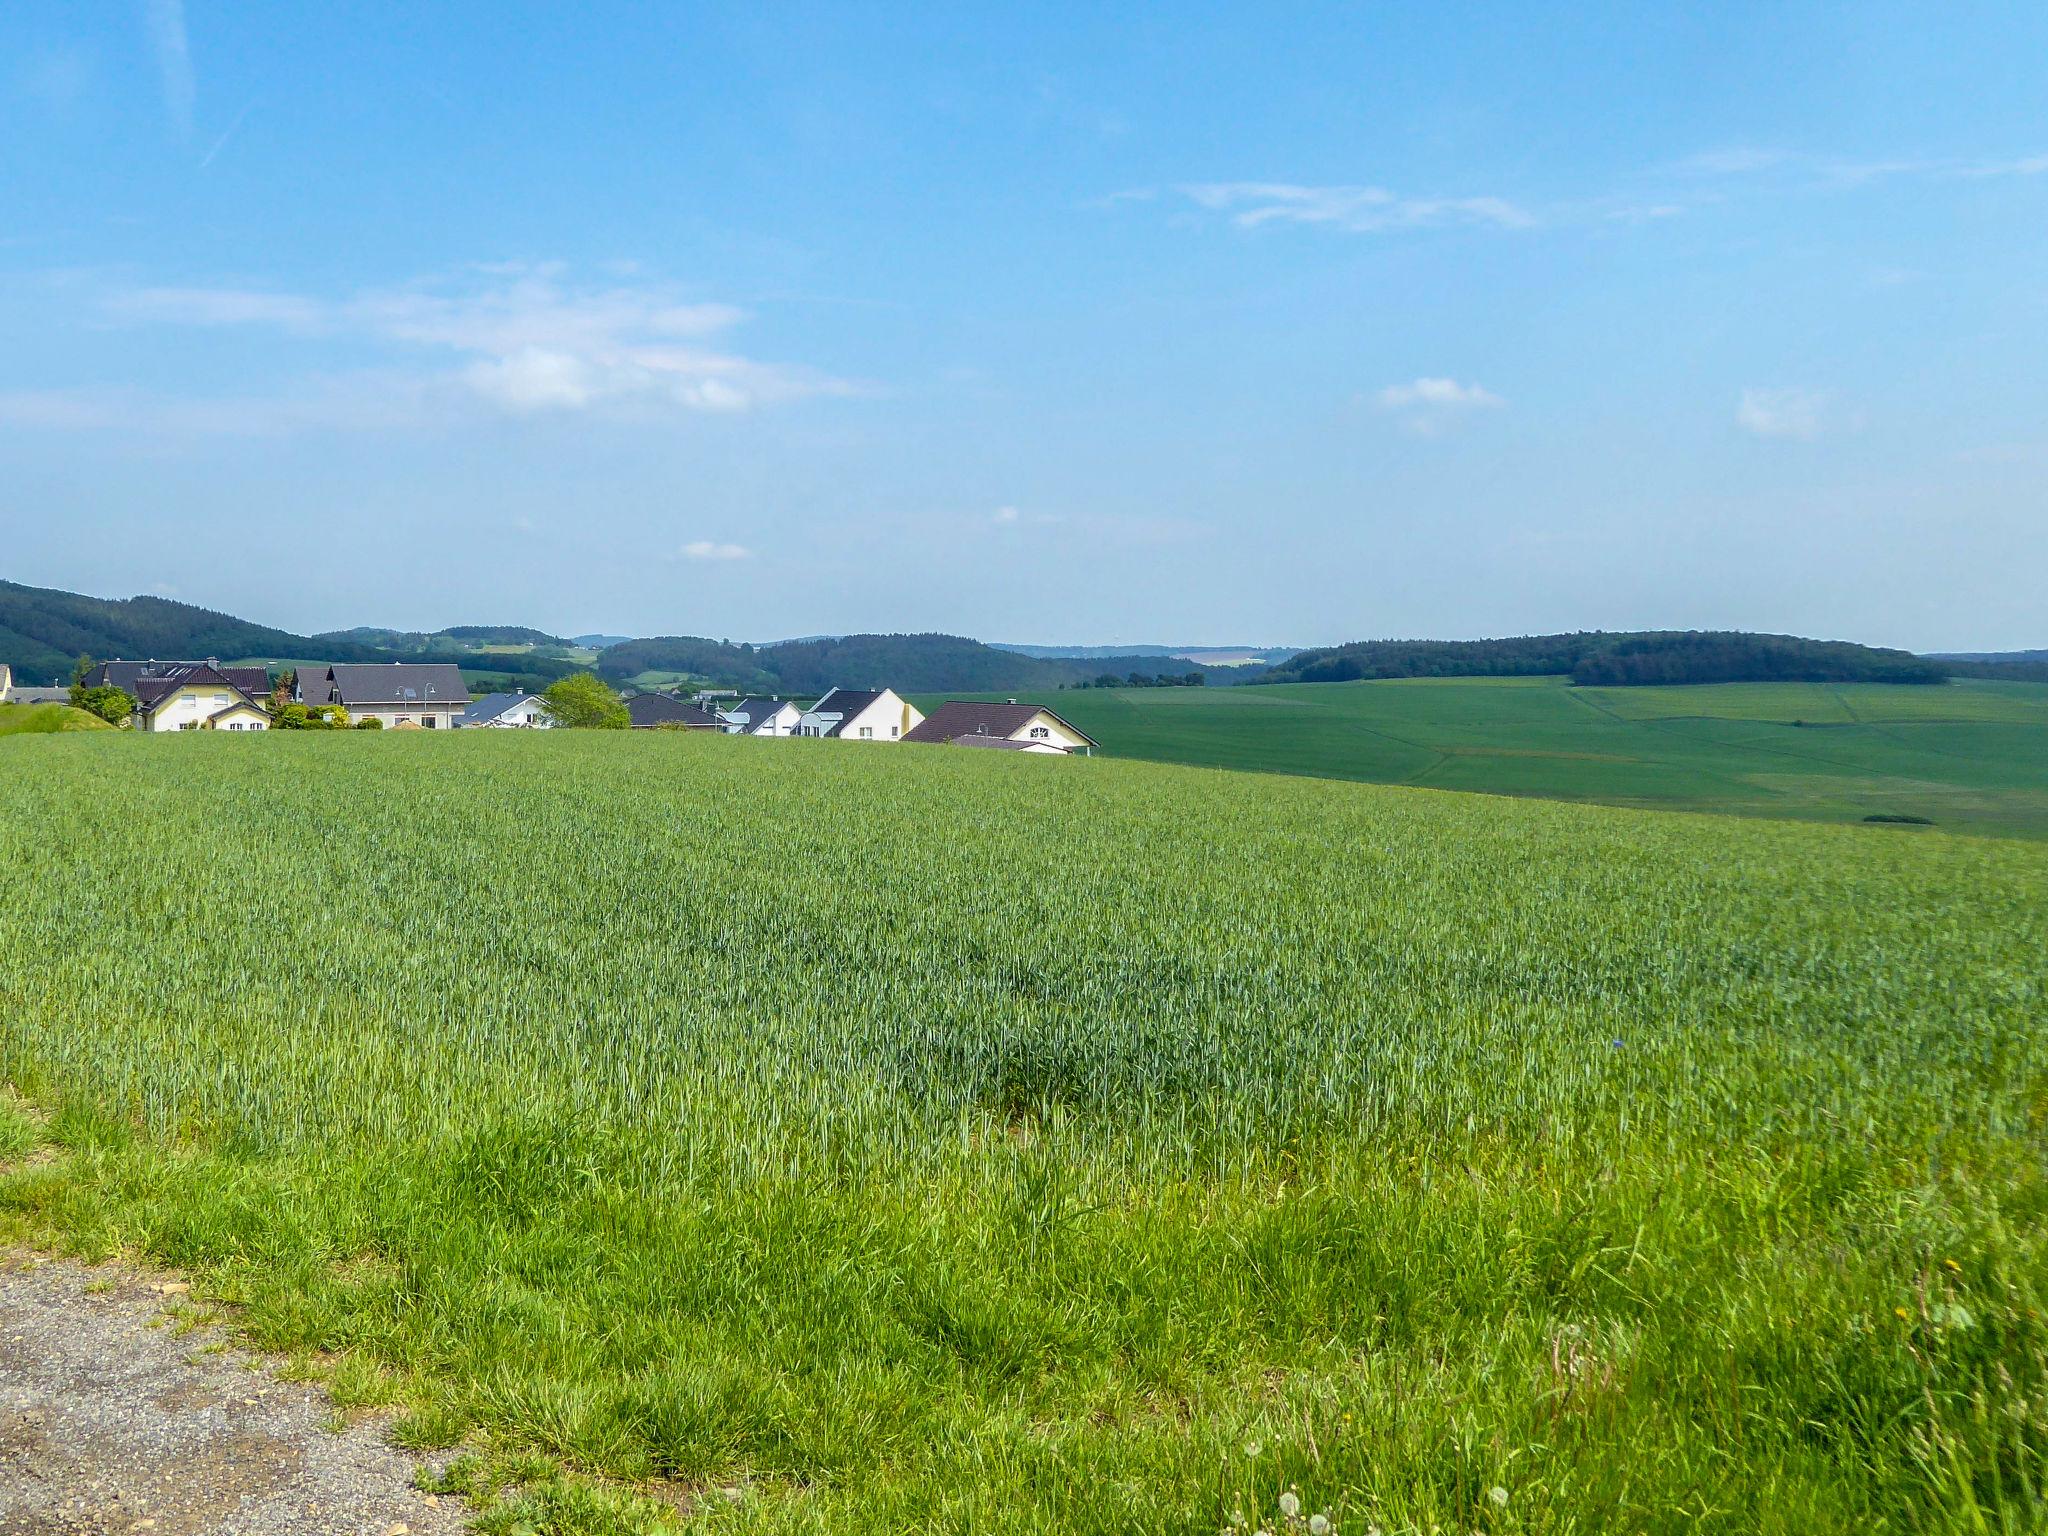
787 1135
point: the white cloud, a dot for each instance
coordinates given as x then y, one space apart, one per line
1356 208
166 19
706 549
1796 415
1005 515
221 306
517 338
1428 407
1437 393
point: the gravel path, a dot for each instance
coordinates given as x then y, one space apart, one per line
110 1425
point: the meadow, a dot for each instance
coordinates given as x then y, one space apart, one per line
1970 756
777 1136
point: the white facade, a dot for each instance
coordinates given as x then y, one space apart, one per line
434 715
240 717
782 720
886 718
1046 730
529 714
188 709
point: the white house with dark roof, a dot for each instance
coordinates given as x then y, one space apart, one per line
508 712
854 714
195 698
1011 726
429 694
761 717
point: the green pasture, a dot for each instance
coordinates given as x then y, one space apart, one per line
1971 756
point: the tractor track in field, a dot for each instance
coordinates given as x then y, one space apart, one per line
116 1417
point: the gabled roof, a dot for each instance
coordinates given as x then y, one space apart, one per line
488 708
752 714
397 684
845 703
237 707
651 709
129 676
964 717
1006 744
151 692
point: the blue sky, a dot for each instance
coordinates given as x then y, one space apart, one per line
1226 323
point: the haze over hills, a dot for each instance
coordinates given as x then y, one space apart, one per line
1211 654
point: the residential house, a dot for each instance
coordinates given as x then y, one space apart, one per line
431 694
32 693
195 698
1012 726
762 717
129 676
508 712
649 710
853 714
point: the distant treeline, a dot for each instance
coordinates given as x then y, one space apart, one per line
1596 657
907 663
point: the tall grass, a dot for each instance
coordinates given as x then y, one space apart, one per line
908 1140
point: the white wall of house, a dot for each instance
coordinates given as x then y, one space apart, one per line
1042 727
782 721
241 717
530 713
889 718
435 716
188 708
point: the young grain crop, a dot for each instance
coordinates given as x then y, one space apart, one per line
909 1140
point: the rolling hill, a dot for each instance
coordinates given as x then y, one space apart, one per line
43 632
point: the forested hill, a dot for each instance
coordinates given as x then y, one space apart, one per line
907 663
43 632
1595 657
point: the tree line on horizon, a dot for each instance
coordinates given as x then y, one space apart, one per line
1617 659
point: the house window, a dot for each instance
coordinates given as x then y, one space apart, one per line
867 733
429 721
894 729
1039 731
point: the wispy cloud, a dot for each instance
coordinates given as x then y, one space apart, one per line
227 133
1793 169
1795 415
1427 407
221 306
519 339
1712 177
708 549
166 20
1360 209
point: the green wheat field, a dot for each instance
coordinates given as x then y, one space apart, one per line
773 1136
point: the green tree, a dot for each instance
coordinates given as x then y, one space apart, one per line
583 701
113 705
